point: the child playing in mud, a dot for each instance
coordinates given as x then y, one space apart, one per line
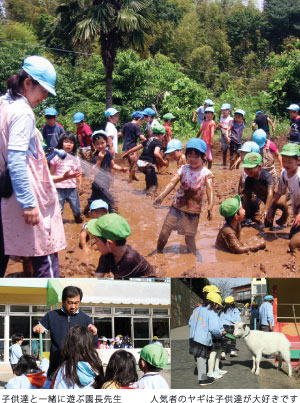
224 123
131 133
174 152
184 213
207 130
234 135
247 147
97 209
84 133
229 235
110 232
103 164
269 152
150 155
290 179
261 183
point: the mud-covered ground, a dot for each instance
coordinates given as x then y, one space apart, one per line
146 221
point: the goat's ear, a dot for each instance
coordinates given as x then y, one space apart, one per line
244 326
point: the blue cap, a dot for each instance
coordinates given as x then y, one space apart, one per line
149 112
96 204
209 109
198 144
78 117
110 112
258 112
260 137
208 102
249 147
225 106
293 107
240 112
137 115
269 298
41 70
173 145
50 112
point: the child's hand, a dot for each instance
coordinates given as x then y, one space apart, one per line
69 175
101 155
157 202
125 156
165 163
296 222
123 169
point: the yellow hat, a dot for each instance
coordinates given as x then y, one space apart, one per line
214 297
211 288
229 300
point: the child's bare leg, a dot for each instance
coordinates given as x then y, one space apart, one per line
163 238
295 242
224 154
209 164
27 267
190 243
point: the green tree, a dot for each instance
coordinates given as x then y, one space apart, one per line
118 24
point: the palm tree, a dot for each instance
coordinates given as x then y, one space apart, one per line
118 24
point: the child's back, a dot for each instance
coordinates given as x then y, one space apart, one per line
152 380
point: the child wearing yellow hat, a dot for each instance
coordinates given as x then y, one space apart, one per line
229 235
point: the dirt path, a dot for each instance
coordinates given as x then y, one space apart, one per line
146 222
239 374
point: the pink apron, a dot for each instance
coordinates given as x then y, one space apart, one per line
21 239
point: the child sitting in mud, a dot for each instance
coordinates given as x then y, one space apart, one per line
290 179
174 152
98 208
110 232
229 235
261 183
150 155
184 213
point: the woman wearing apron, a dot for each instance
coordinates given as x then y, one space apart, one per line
30 219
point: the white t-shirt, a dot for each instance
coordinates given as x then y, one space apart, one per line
111 131
225 122
293 184
152 380
149 126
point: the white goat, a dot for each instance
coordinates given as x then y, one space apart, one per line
260 343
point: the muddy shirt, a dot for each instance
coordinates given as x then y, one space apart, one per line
149 146
131 133
293 184
229 239
259 186
132 264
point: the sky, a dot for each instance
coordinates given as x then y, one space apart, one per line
234 281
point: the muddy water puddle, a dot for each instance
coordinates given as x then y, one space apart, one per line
146 222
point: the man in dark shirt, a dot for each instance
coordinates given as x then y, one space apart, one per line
263 121
59 321
110 232
260 183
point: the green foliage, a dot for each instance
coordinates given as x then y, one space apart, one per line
16 31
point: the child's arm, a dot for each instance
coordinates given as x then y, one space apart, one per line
194 116
212 133
240 186
167 190
200 132
278 156
158 156
227 133
275 198
110 145
82 240
236 163
132 150
272 124
270 194
210 196
253 126
296 222
117 167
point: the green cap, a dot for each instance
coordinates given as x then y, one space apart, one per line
168 116
290 150
109 226
229 207
251 160
155 355
158 129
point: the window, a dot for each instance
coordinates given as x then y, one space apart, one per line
1 327
2 308
19 308
104 326
19 324
160 311
123 311
161 328
141 328
102 310
142 311
86 309
40 308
